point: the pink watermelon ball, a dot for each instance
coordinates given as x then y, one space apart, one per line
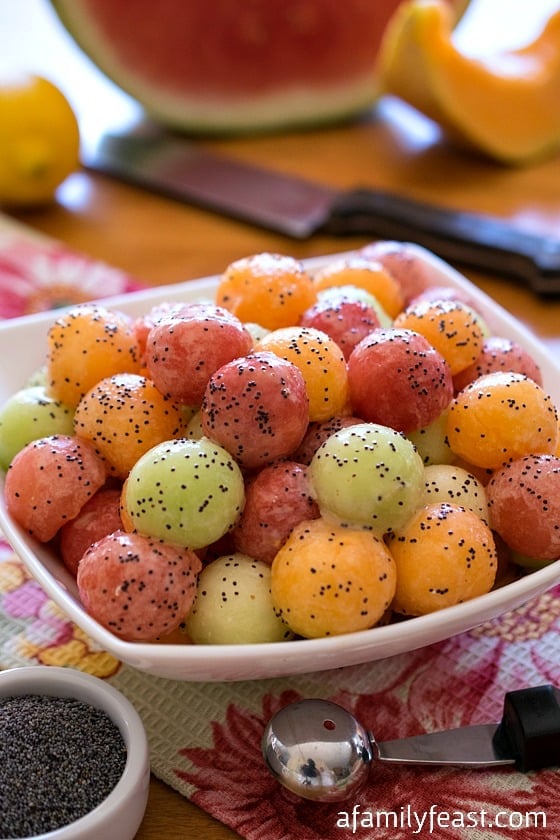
257 408
396 378
346 321
277 499
524 505
499 354
137 587
99 516
49 481
183 350
144 323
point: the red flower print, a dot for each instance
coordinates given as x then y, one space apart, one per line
38 275
232 783
458 682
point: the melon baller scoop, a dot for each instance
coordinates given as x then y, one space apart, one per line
319 751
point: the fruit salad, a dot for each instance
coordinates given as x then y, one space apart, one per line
307 455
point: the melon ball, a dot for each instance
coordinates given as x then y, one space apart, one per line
138 587
99 517
183 350
87 343
451 326
364 274
189 492
333 294
431 441
345 320
276 499
233 604
256 331
443 293
529 563
413 274
321 363
257 408
29 414
124 416
499 417
368 475
499 354
38 377
49 481
524 505
269 289
144 323
328 579
317 433
456 485
193 428
398 379
444 555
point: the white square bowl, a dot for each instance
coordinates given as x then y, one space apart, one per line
22 349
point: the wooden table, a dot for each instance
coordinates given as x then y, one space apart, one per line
161 241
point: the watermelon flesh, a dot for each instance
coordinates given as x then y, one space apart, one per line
236 65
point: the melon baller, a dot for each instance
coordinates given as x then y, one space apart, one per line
319 751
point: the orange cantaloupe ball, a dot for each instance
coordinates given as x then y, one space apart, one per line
272 290
126 519
366 274
328 579
321 363
451 326
124 416
87 344
444 555
499 417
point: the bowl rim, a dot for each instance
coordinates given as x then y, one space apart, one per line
58 681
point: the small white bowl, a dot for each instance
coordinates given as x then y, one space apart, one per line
120 814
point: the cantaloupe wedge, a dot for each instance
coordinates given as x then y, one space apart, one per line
506 105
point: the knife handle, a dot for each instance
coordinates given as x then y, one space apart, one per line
530 728
472 240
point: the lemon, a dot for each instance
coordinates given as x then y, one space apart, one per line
39 140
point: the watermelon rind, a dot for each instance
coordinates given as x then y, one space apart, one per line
301 104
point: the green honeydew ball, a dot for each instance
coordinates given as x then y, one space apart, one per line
189 492
28 415
457 486
431 442
368 475
233 604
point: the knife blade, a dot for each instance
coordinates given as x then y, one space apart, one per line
298 208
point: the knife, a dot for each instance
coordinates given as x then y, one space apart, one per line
180 169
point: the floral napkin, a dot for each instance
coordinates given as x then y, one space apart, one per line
38 273
205 737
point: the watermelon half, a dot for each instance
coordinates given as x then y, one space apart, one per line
236 65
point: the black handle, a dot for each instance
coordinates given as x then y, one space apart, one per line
467 239
529 730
